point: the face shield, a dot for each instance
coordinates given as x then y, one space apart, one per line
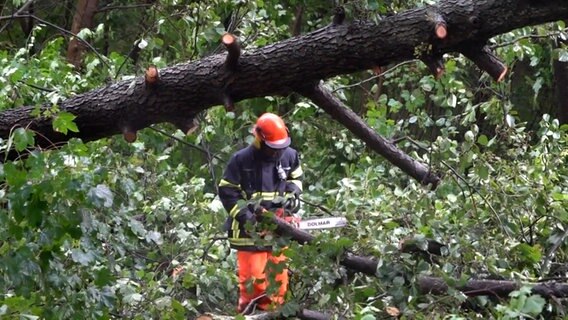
270 153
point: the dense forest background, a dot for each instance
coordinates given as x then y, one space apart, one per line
120 229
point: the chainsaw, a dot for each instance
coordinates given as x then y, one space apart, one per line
321 223
309 224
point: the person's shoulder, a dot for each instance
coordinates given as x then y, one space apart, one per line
245 152
290 154
291 151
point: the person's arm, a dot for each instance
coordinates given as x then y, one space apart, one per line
294 184
230 192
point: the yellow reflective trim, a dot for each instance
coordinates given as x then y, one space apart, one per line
297 183
242 241
225 183
248 242
234 211
264 195
235 225
296 173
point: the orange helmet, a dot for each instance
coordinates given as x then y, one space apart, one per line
271 129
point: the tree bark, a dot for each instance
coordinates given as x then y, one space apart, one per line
560 70
303 314
83 18
495 288
288 66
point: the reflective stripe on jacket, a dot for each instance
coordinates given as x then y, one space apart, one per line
251 175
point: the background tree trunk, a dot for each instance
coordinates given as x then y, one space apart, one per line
83 18
560 71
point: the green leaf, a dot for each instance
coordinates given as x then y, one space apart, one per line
133 298
82 257
559 196
563 57
101 193
452 197
482 140
36 209
63 123
483 171
452 100
14 177
290 309
23 138
510 120
534 305
528 252
103 277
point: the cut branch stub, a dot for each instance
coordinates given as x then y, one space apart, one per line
233 49
228 103
377 70
486 61
129 135
420 244
436 65
152 76
338 16
187 126
440 28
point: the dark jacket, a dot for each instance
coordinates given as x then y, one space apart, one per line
252 175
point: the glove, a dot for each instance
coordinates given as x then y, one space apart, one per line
292 202
245 215
259 212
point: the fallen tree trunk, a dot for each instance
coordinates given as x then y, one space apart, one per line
178 93
496 288
303 314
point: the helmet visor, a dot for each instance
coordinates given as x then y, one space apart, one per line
278 144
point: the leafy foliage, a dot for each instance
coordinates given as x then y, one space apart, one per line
108 229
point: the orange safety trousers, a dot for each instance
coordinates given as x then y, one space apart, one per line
254 268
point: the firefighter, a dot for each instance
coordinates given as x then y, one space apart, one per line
266 170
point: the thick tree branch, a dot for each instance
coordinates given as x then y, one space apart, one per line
303 314
495 288
333 106
486 61
436 65
284 67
